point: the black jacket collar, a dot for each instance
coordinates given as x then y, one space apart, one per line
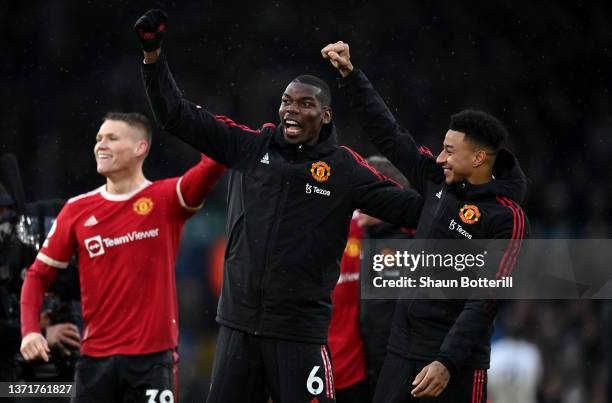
328 142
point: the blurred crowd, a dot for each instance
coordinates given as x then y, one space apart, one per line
571 339
544 69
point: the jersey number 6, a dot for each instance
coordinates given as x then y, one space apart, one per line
314 384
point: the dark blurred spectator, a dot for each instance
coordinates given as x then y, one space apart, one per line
570 339
19 235
516 366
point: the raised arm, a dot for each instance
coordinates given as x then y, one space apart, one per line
380 197
216 136
194 186
395 143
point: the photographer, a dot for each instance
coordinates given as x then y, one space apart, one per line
18 247
12 258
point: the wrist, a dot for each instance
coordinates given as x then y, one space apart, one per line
345 71
448 364
29 335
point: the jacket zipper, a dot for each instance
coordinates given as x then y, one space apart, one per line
282 196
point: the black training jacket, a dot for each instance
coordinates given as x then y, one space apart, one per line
289 209
455 332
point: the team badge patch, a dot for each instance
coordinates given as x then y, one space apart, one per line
469 214
320 171
353 247
143 206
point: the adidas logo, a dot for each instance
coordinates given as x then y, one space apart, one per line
90 221
265 159
439 194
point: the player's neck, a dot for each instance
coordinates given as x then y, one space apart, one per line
124 184
480 177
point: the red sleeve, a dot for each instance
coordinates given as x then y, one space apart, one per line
58 248
37 281
56 252
197 183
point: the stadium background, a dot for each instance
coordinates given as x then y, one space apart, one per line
544 69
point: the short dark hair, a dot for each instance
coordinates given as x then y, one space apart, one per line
324 96
385 167
133 119
480 127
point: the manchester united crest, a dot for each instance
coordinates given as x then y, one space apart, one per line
320 171
353 247
143 206
469 214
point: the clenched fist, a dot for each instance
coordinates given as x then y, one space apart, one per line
151 28
339 56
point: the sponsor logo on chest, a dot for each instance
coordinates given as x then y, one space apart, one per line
311 189
454 226
97 245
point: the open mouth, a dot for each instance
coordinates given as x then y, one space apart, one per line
292 127
103 156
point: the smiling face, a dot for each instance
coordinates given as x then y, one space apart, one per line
457 157
301 113
120 148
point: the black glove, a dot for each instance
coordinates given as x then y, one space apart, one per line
151 28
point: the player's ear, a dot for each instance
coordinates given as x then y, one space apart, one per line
327 115
142 148
479 158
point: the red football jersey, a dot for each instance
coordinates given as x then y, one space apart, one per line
345 342
127 247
